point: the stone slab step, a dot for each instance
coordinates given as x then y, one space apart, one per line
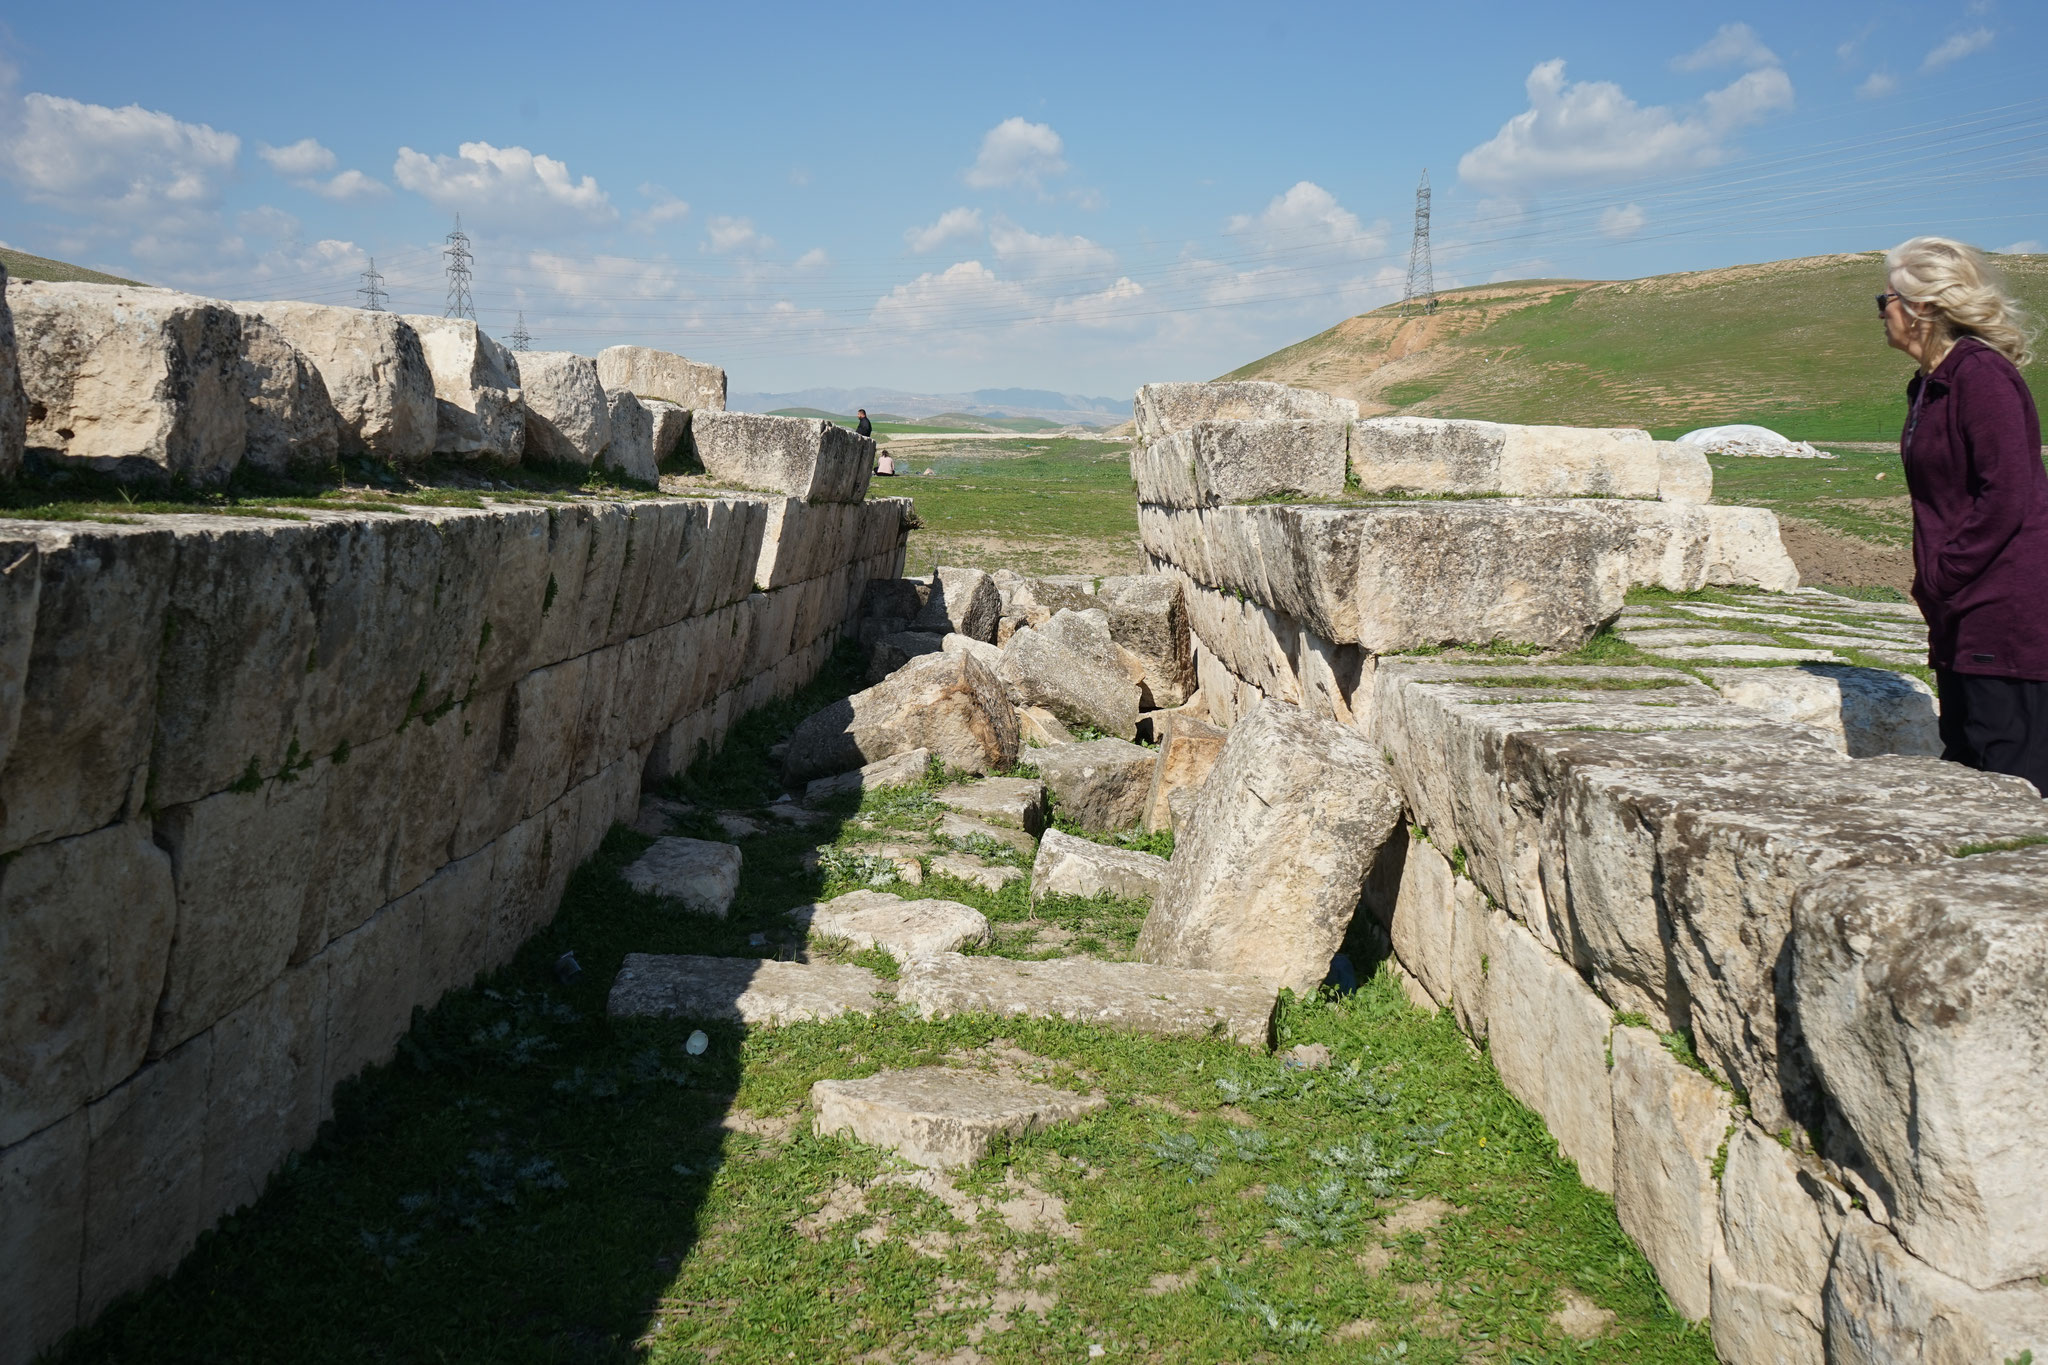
905 929
1015 802
1137 997
742 990
953 825
940 1116
701 873
972 870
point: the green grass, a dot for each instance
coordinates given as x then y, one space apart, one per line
22 266
1060 505
1843 494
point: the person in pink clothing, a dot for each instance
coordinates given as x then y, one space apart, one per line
1972 452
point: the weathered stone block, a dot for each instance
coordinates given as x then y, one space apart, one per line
1188 749
1266 877
905 929
1868 711
1669 1124
700 873
941 1117
1779 1221
671 429
948 703
478 410
630 452
455 912
268 1089
966 829
642 370
85 931
376 374
13 402
1683 474
1101 785
42 1237
1039 728
1424 919
1070 667
1547 1034
1067 866
811 459
374 978
1017 802
891 652
292 426
568 416
1213 463
739 990
1162 409
145 1175
961 601
1434 455
902 770
1883 1306
1131 997
1148 617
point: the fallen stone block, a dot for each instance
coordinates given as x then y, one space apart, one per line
1213 463
965 867
1919 993
1070 667
1017 802
1188 749
906 769
376 373
13 402
1870 711
1669 1127
1265 880
1068 866
741 990
956 643
889 605
966 829
1884 1306
941 1117
647 373
1102 784
806 458
136 383
1148 617
949 704
568 415
1162 409
293 428
961 602
1458 457
905 929
1041 729
702 874
1547 1035
630 452
891 652
1683 474
671 428
1132 997
479 413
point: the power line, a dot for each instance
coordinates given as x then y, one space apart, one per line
373 288
459 305
1421 289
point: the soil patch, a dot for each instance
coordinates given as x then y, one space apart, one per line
1829 559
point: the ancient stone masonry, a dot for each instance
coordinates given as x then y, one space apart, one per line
268 785
1730 932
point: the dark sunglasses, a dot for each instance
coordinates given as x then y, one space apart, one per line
1884 301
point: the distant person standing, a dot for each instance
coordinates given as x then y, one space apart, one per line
1972 453
863 427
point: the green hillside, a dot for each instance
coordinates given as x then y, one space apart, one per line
22 266
1795 345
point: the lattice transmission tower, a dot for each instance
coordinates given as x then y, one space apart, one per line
1421 292
372 291
459 304
522 340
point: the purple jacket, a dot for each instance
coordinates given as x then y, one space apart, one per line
1980 514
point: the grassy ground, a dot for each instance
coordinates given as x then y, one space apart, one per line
22 266
1059 505
530 1181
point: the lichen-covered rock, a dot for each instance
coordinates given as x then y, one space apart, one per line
631 450
13 404
376 372
1213 463
1884 1306
293 427
948 703
1162 409
806 458
1870 711
962 602
1459 457
1101 785
137 383
478 411
647 373
939 1116
1148 616
1070 667
1070 866
568 415
1266 877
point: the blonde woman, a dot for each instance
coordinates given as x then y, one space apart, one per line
1972 451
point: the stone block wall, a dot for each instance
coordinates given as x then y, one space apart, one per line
267 785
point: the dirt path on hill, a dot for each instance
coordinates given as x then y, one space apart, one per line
1829 559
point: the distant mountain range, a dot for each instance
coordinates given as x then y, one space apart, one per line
1073 409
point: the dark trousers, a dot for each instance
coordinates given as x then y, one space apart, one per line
1997 725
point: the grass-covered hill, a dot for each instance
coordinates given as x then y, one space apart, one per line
1795 345
22 266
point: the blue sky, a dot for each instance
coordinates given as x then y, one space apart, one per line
945 197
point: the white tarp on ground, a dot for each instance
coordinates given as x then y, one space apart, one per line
1743 438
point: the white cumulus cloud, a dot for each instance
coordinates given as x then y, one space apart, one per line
1016 152
129 163
953 225
508 189
965 292
1877 85
1622 220
663 208
725 234
302 158
1582 131
1049 253
1732 45
815 259
1956 48
1305 214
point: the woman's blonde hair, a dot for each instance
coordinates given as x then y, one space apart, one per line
1950 283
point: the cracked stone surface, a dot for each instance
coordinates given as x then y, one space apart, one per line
905 929
939 1116
702 874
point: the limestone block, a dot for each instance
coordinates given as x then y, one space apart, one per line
965 867
1069 866
941 1117
1424 921
947 703
1744 550
1213 463
1870 711
806 458
13 402
455 795
85 931
906 769
1266 877
1669 1124
374 978
136 383
1162 409
905 929
146 1175
642 370
293 428
1131 997
1884 1306
1920 994
479 413
376 372
21 581
1473 929
1017 802
961 601
1779 1221
671 429
1683 474
1148 616
702 874
568 416
1434 455
267 1092
1070 667
1101 785
239 861
891 652
1040 728
631 450
1547 1035
740 990
1188 749
1759 1321
42 1237
81 741
989 654
965 829
455 912
889 605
